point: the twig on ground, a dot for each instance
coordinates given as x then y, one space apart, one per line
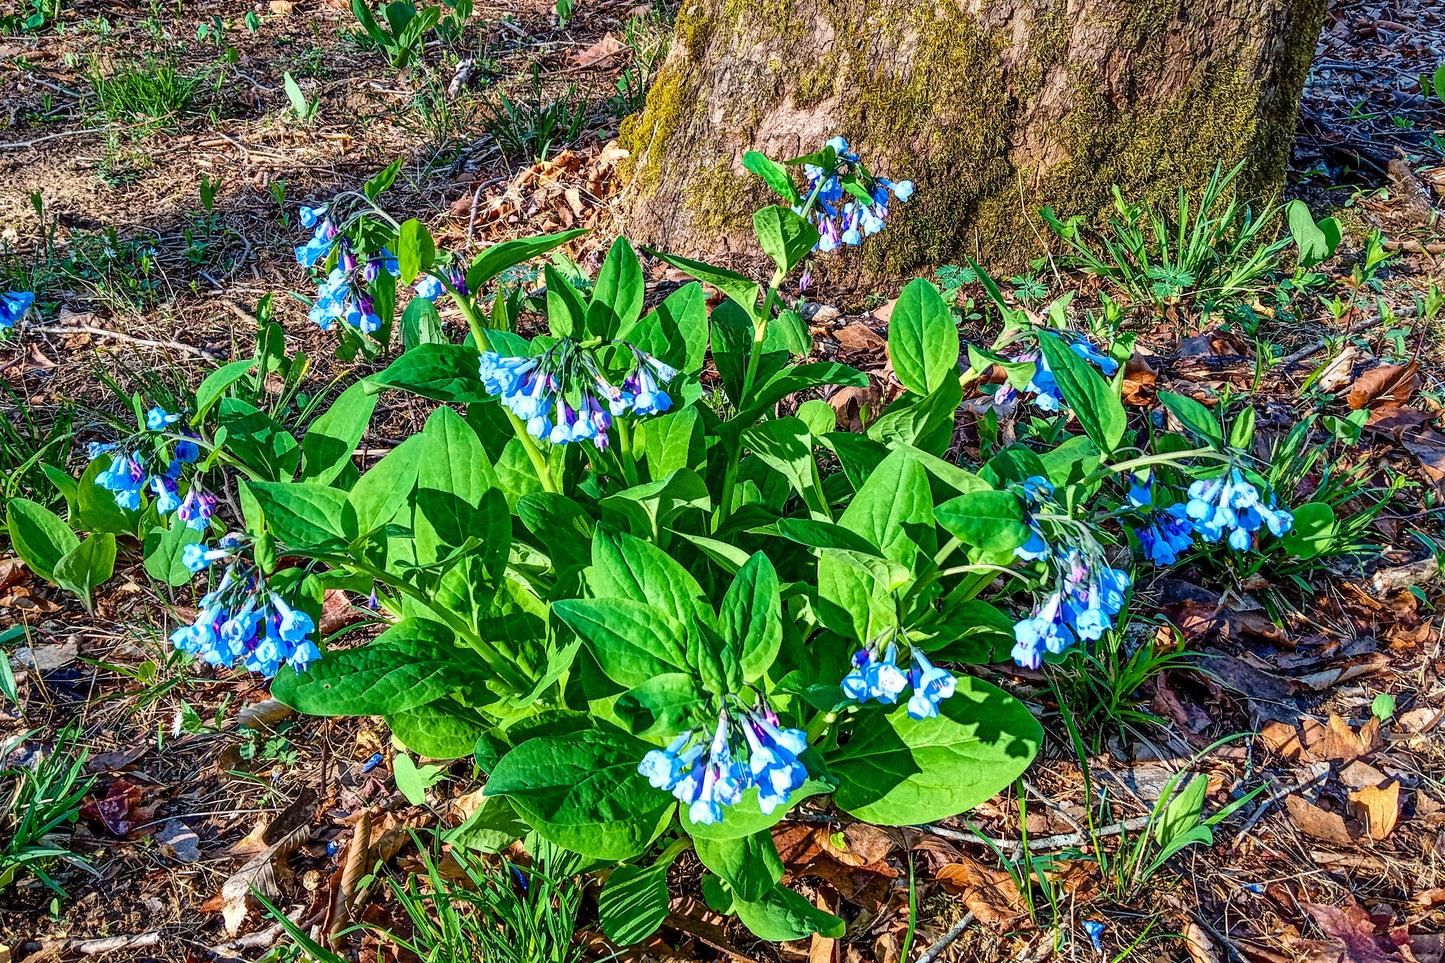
113 943
954 931
16 145
1061 841
120 336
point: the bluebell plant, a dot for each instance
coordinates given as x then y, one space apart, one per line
151 463
843 200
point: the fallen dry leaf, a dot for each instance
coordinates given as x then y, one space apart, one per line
1391 383
1352 927
600 52
1378 809
991 895
1343 744
1319 823
179 842
1198 944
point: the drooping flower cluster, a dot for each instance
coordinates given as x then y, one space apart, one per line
1164 534
149 463
563 394
242 620
343 295
1043 386
708 770
13 305
843 218
1086 591
1230 504
880 679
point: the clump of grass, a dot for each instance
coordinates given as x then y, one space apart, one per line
150 93
529 128
37 799
31 437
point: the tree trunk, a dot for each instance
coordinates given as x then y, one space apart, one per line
993 108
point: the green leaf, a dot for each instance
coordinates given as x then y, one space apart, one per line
633 903
217 383
420 324
563 527
566 311
1184 812
786 445
973 632
1317 242
444 729
922 338
899 771
617 296
95 508
493 827
774 173
332 438
741 290
497 258
923 422
415 250
38 536
1088 393
452 483
582 791
797 378
672 441
412 780
1195 417
1313 530
665 704
784 236
649 507
1383 707
676 330
380 493
633 568
302 515
989 520
785 915
750 865
752 617
385 178
258 441
87 565
632 641
442 372
894 510
410 664
163 549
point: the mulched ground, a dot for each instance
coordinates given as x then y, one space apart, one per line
201 792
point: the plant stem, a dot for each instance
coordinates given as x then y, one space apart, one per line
1167 458
624 444
755 354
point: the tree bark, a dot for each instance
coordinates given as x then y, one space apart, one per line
993 108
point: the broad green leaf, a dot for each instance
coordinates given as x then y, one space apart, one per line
1317 242
665 704
302 515
672 441
87 565
38 536
332 438
731 334
648 508
497 258
411 664
632 641
617 296
922 338
797 378
420 324
973 632
632 568
493 827
775 174
582 791
920 421
894 510
750 865
217 383
676 330
633 903
899 771
1195 417
452 481
95 508
752 619
566 310
786 445
1313 530
415 250
1089 394
989 520
412 780
739 289
163 548
376 498
1183 813
784 236
442 372
783 914
562 527
258 441
444 729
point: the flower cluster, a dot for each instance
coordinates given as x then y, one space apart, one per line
1164 534
13 306
1231 504
874 678
564 396
843 218
242 620
1043 386
149 463
1086 592
709 771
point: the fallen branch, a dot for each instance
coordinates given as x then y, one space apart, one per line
113 943
1061 841
954 931
130 338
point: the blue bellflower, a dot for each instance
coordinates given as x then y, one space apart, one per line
881 680
1230 507
243 621
13 306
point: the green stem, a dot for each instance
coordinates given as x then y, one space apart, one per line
1167 458
624 444
755 354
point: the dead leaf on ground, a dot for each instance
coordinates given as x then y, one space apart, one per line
1352 927
179 841
1342 744
120 809
1378 809
1389 383
46 658
278 839
990 894
600 52
1200 946
1319 823
264 714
